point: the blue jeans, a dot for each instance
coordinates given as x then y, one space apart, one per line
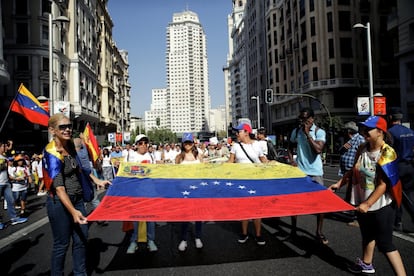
5 190
184 230
150 231
63 229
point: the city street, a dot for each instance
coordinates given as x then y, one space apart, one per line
25 249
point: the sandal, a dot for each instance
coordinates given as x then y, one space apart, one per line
322 239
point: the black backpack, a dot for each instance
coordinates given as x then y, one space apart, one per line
271 152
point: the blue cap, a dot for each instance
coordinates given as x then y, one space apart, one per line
187 137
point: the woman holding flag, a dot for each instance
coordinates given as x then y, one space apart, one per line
376 192
65 204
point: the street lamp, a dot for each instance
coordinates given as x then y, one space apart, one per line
257 98
370 74
51 22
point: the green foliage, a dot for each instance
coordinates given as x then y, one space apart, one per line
161 135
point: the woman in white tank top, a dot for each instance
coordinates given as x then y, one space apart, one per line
189 155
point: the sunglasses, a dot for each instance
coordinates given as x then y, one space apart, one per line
64 127
303 117
140 143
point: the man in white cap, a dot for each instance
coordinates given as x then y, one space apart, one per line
141 155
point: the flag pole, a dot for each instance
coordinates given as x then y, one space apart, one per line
8 111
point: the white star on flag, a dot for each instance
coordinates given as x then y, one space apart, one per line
229 184
216 183
252 192
186 193
193 187
241 187
204 184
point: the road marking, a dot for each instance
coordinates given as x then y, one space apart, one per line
406 237
22 232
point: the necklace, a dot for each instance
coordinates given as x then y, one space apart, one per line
374 155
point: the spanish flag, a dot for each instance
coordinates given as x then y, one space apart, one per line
27 105
91 143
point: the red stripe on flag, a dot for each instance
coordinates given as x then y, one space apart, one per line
27 105
117 208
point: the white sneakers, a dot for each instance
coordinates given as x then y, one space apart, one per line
183 245
198 243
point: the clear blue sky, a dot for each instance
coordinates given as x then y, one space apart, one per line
140 28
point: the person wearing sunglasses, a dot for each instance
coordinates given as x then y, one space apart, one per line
189 155
309 141
65 204
375 195
141 155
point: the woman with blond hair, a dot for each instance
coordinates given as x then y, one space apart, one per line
65 203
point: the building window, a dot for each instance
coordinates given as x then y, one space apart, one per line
45 6
331 48
22 33
344 20
312 26
302 8
311 5
45 35
22 63
328 3
315 73
329 19
332 73
314 52
45 64
304 56
411 32
21 7
305 77
347 70
303 31
345 46
343 2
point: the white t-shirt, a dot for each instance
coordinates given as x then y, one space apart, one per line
254 151
141 158
4 178
263 145
19 172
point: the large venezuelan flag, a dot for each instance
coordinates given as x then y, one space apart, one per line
213 192
389 164
27 105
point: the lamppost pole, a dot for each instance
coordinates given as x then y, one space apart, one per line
257 98
51 93
62 19
370 73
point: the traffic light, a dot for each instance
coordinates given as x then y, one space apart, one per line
269 96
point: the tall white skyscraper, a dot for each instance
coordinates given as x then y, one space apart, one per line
188 103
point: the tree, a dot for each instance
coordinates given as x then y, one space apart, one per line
161 136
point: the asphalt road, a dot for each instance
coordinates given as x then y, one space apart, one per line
25 249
